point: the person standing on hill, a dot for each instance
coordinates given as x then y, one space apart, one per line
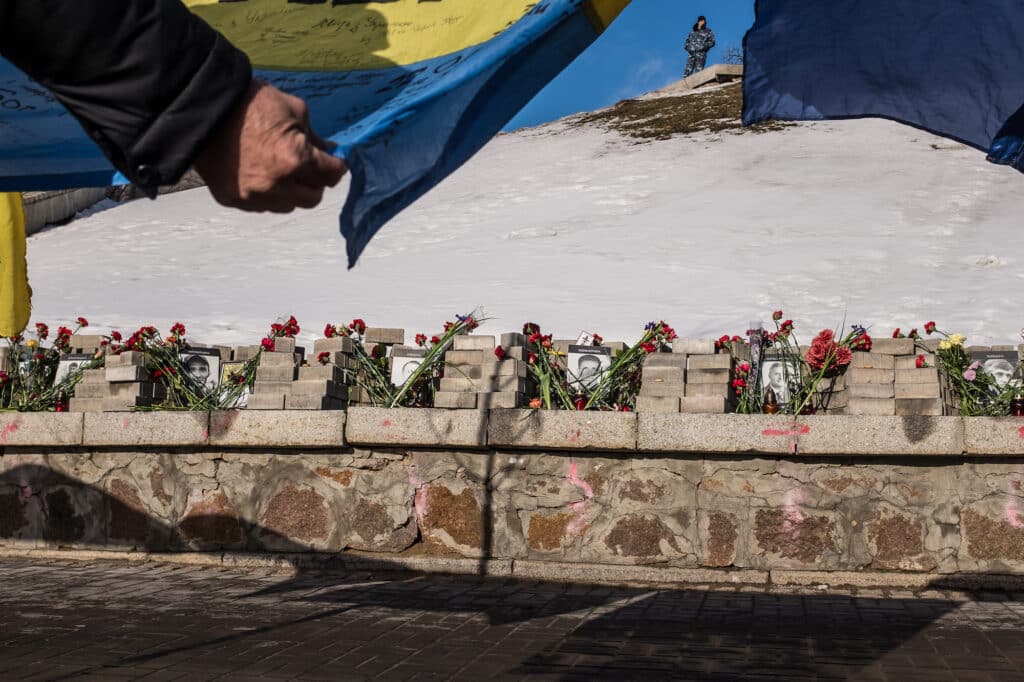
698 44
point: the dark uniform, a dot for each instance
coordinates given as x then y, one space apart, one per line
698 44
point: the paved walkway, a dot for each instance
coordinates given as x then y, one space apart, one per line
68 620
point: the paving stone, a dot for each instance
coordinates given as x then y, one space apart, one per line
146 428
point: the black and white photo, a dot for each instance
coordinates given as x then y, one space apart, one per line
779 373
405 361
69 364
1003 366
229 373
586 366
203 365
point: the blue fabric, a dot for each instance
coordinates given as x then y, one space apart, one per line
401 129
952 67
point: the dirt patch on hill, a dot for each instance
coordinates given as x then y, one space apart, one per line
662 118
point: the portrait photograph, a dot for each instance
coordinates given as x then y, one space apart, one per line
1003 366
586 366
228 375
779 373
203 365
69 364
405 361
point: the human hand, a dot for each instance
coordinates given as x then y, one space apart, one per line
266 157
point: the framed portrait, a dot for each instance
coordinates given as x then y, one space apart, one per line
405 361
69 364
228 374
203 365
586 366
1002 365
779 373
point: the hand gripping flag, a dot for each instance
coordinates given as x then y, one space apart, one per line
408 89
952 67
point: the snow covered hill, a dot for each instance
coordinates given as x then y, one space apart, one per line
590 223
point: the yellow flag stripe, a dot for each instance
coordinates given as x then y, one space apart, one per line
15 294
603 12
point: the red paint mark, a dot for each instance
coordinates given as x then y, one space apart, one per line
575 437
125 423
1021 432
8 430
206 434
795 430
387 423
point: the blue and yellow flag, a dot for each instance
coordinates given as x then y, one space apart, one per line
408 89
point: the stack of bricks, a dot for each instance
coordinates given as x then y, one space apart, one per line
86 343
121 386
325 385
275 376
693 379
386 337
887 381
474 377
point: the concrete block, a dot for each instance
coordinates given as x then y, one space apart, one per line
656 389
339 359
142 389
839 400
704 405
918 391
245 352
388 337
657 404
665 360
129 358
336 344
126 373
709 391
265 429
873 361
455 400
265 401
887 435
147 428
929 407
268 387
278 373
276 359
874 391
468 357
561 430
928 375
489 369
892 346
872 407
694 346
500 400
858 375
663 375
318 387
93 376
484 385
471 342
994 435
318 371
616 347
432 428
40 429
126 404
86 343
93 389
85 404
515 353
721 433
709 362
314 402
910 361
708 376
512 339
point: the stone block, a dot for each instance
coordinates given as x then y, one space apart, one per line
661 389
93 376
86 343
910 361
500 400
864 435
486 370
515 353
994 435
666 375
892 346
928 375
657 404
142 389
383 335
269 387
339 359
431 428
704 405
278 373
126 404
708 376
19 429
305 429
126 374
512 339
872 407
720 433
709 391
838 400
859 375
452 400
147 428
917 391
874 391
933 407
467 357
665 360
709 362
265 401
322 372
694 346
245 352
129 358
277 359
484 385
615 347
562 430
94 389
318 387
335 344
85 404
873 361
471 342
314 402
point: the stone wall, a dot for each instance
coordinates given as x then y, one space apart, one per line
929 495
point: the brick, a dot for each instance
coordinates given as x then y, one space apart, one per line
512 339
875 391
276 359
313 402
455 401
872 408
384 335
333 358
275 373
857 375
615 347
127 373
661 389
489 369
266 401
703 405
85 405
318 371
467 357
918 391
85 343
500 400
484 385
709 391
929 375
336 344
910 361
93 376
144 389
709 362
838 400
893 346
245 352
657 404
665 360
708 376
694 346
873 361
126 404
924 407
295 428
93 389
130 358
318 387
471 342
666 375
515 353
930 345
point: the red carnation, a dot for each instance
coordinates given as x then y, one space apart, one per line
330 331
434 340
499 352
4 378
82 322
920 362
777 315
826 354
116 336
268 345
421 339
358 326
739 384
913 334
532 359
786 327
648 347
896 333
323 358
598 339
178 330
929 328
42 331
529 329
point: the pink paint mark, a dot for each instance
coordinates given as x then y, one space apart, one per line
574 437
1013 515
579 508
387 423
9 429
574 478
1021 432
206 434
126 423
791 514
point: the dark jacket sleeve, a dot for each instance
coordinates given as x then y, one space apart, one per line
147 79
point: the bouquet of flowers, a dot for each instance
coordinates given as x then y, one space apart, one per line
28 380
977 389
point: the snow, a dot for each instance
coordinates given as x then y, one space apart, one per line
579 228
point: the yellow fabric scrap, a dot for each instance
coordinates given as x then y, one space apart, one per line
15 293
